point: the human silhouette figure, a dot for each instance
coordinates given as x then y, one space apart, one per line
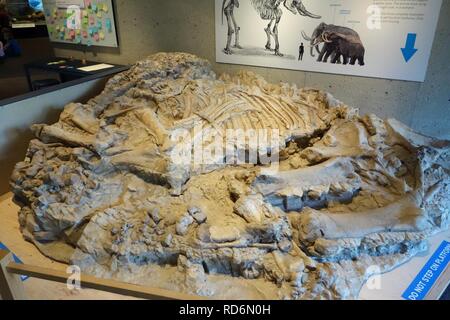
301 51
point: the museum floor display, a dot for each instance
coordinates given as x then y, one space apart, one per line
150 183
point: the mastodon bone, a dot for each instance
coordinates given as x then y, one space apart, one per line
401 216
333 180
349 138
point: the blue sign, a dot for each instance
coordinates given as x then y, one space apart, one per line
423 283
16 258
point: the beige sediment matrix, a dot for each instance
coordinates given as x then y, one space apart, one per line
350 196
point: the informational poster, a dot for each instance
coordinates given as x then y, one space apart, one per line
389 39
82 22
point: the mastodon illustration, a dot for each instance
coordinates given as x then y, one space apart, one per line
338 42
269 10
233 28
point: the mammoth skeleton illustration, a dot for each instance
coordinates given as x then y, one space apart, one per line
269 10
233 28
338 42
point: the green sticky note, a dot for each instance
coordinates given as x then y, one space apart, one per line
108 25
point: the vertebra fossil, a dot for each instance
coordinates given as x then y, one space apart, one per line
101 190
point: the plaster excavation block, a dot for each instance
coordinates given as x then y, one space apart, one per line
314 187
104 187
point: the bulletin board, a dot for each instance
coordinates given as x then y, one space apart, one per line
82 22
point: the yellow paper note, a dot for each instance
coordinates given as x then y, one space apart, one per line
101 35
99 14
78 31
105 7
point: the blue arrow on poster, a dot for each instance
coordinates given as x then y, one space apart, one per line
16 259
409 50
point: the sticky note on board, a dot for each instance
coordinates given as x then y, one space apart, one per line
78 40
99 14
89 43
108 25
91 20
94 7
78 32
87 3
99 25
91 31
96 37
105 7
84 13
101 35
85 34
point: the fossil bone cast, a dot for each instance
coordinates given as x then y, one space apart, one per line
101 188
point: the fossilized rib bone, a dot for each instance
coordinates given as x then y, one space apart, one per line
100 189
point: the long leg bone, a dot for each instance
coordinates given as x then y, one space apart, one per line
237 31
231 31
275 35
268 31
401 216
